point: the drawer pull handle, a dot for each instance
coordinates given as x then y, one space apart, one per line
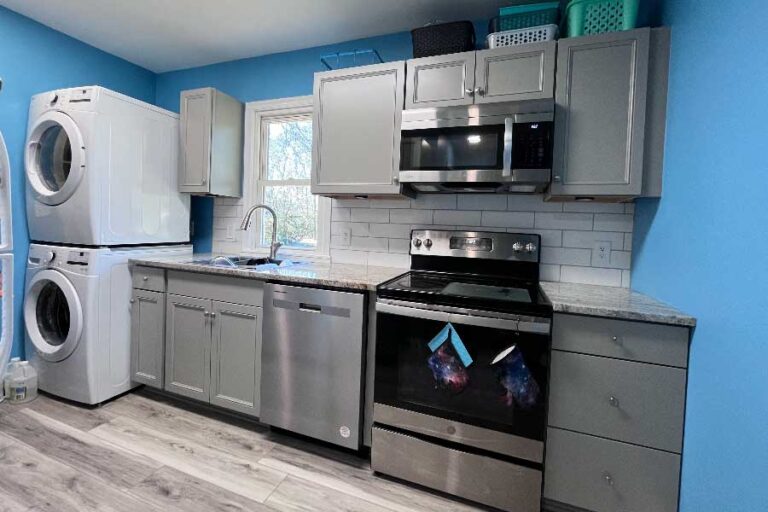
145 278
613 401
608 478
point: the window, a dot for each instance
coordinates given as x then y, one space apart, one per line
280 166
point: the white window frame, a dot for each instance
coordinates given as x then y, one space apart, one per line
256 114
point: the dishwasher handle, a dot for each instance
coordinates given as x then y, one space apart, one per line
308 307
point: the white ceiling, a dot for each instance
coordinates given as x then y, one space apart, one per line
164 35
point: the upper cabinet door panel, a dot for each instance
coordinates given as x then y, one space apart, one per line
442 81
195 123
600 114
357 130
524 72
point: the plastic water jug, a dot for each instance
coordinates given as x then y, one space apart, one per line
20 383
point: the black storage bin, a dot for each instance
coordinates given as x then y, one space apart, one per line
455 37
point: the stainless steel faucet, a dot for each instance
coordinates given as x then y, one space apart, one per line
275 245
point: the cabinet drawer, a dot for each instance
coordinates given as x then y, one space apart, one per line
607 476
636 341
234 290
634 402
148 278
483 479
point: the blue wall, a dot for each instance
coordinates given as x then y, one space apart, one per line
261 78
703 246
34 59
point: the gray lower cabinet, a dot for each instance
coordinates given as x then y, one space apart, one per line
601 100
356 130
236 356
188 347
147 337
616 415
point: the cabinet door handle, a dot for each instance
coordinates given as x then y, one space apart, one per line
132 301
613 401
469 91
479 91
608 478
145 278
212 315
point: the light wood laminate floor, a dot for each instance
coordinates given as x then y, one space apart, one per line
146 452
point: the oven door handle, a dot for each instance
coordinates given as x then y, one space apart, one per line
509 126
527 325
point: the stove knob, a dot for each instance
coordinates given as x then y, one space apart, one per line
417 242
530 247
517 247
427 243
48 257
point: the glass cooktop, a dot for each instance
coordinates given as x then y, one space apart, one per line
464 290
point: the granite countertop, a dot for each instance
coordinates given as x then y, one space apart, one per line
346 276
581 299
610 302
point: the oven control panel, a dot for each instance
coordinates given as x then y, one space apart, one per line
476 244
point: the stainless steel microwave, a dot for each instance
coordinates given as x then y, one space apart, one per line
479 148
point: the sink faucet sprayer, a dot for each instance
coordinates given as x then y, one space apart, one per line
275 245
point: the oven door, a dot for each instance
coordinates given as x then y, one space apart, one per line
496 402
479 154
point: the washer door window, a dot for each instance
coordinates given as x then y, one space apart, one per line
55 158
53 315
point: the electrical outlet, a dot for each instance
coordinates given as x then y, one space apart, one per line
601 253
231 233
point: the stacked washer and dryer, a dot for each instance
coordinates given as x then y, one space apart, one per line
101 189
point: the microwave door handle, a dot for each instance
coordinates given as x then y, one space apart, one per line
509 126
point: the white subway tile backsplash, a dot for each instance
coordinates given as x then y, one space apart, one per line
397 245
370 244
549 272
482 202
435 202
381 259
566 256
341 214
457 217
628 241
590 275
390 230
589 207
377 231
531 203
508 219
410 217
553 220
588 239
613 222
370 215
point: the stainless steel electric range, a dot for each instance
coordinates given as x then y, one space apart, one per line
462 361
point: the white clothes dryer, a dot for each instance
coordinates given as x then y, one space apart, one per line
102 169
77 318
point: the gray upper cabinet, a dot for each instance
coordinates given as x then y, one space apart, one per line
236 356
601 95
356 126
441 81
188 347
211 143
514 73
147 337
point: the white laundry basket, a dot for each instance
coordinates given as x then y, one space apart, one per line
522 36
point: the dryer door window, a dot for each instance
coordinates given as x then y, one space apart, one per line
53 315
55 158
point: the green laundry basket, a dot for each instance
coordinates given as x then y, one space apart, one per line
598 16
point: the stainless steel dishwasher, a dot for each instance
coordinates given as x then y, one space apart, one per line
312 363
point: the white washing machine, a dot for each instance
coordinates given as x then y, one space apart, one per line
77 318
102 169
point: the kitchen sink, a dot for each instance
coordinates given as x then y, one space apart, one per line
248 262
